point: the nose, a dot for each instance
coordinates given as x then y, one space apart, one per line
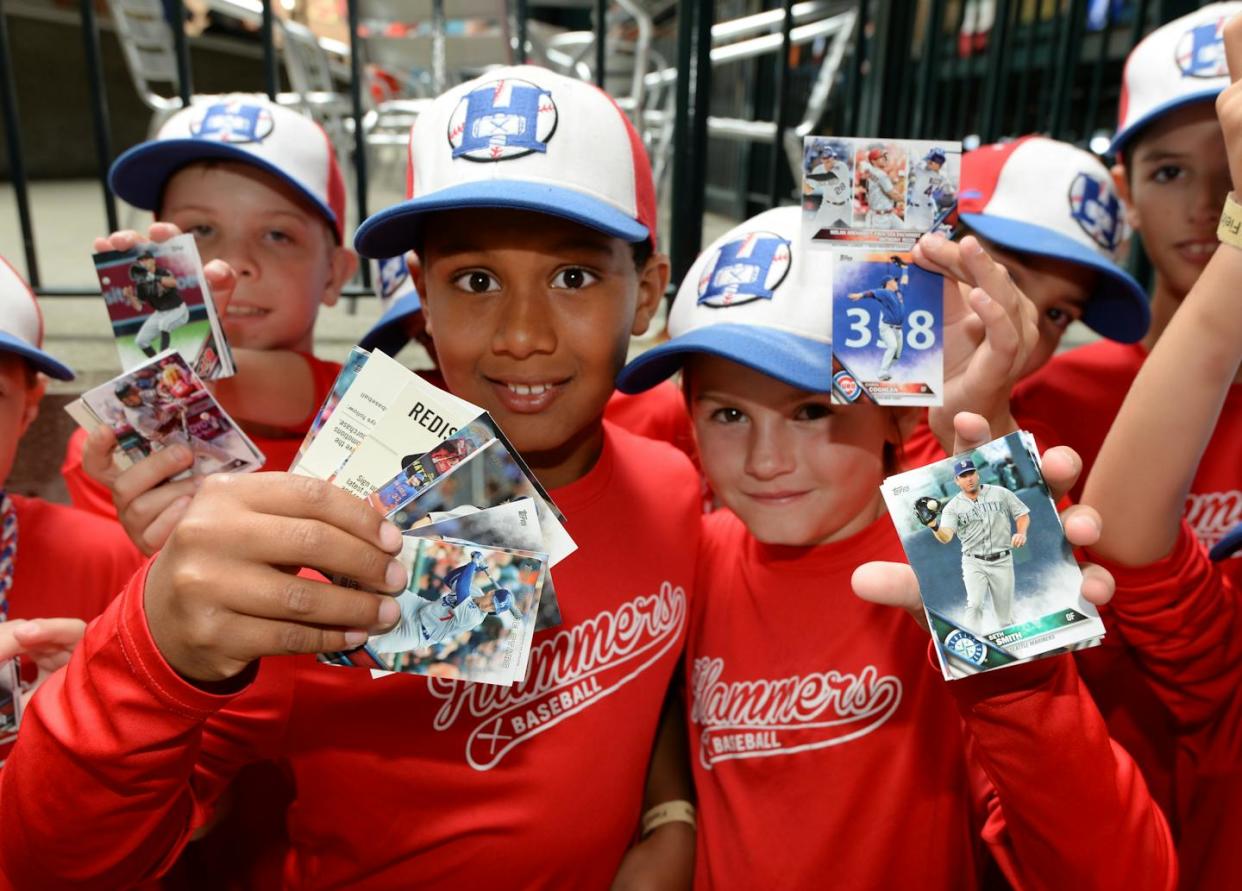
239 254
1209 198
527 326
769 453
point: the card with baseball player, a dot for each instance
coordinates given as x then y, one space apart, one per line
162 403
887 328
878 192
10 700
158 299
999 581
468 613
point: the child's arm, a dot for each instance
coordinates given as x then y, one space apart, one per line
166 694
1144 470
664 859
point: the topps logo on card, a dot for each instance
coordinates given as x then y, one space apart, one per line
745 270
502 121
1201 51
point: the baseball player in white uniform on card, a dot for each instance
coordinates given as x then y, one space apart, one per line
984 518
882 192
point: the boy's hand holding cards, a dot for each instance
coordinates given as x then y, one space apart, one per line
997 576
865 203
481 531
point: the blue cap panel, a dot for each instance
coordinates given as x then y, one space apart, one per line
39 359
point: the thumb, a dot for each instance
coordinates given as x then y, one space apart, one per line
97 455
221 281
9 645
889 584
48 634
1232 39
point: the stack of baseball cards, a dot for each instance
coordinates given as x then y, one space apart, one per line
865 203
10 703
161 403
158 299
998 578
481 533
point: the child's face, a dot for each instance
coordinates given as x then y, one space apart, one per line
796 469
1059 289
20 392
1174 189
285 257
531 317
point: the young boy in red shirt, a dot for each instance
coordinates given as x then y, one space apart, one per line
806 700
1173 175
534 218
259 187
54 560
1179 610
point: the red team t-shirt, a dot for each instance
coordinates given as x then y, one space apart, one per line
828 752
1079 393
279 449
401 781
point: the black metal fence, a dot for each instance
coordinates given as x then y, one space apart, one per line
907 73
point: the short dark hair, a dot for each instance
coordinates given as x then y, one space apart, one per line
642 253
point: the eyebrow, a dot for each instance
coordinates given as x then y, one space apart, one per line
1160 155
568 246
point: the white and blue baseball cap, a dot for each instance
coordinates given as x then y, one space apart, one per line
1039 196
1178 64
21 324
524 138
395 287
746 299
237 127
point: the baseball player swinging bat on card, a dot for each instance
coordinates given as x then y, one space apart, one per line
458 609
981 516
891 327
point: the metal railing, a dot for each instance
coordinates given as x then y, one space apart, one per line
898 73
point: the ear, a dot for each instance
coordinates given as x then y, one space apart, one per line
652 283
342 266
34 395
1121 182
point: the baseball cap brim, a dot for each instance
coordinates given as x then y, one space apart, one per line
39 359
791 358
1131 130
1118 307
394 231
1228 545
140 174
388 335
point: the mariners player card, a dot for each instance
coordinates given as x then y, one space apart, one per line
467 613
881 193
887 329
163 403
514 524
158 299
999 581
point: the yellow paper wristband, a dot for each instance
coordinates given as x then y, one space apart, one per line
1230 229
668 812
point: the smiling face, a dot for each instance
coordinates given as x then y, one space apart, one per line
531 317
285 256
1058 288
796 469
1174 185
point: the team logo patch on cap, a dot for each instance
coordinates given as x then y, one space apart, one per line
1096 209
392 272
233 122
961 644
744 270
501 121
1200 52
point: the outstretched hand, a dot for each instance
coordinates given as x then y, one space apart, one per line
895 584
48 643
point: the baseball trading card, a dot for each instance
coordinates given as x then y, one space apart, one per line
162 403
881 193
887 329
420 417
158 299
10 702
999 581
349 371
492 475
512 525
359 409
467 613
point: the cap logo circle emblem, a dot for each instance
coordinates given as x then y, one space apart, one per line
1200 52
501 121
234 123
744 270
1096 210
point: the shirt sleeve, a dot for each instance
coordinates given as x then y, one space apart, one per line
119 759
1059 800
1016 504
948 517
1181 614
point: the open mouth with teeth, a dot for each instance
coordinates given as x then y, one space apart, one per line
527 396
244 312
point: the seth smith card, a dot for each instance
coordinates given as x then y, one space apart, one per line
999 581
